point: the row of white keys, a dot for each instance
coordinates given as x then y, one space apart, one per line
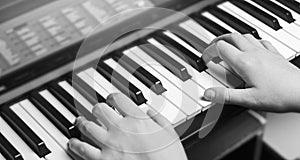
280 35
177 92
49 127
17 142
284 50
56 151
104 83
156 102
58 106
295 15
76 95
201 80
288 27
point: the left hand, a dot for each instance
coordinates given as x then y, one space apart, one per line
133 135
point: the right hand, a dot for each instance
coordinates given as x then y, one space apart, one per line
272 83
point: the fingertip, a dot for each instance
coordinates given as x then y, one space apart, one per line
79 120
209 94
97 109
73 144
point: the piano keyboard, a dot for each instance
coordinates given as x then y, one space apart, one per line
163 71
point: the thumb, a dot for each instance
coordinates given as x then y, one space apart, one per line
229 96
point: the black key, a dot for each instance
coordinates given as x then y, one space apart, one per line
182 52
70 102
140 73
188 37
121 83
292 4
86 90
210 25
8 150
66 127
169 63
258 13
64 97
21 128
276 9
235 23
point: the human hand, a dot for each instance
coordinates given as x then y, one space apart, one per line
132 136
272 82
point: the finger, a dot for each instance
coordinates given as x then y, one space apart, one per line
230 96
230 54
237 40
253 40
106 115
210 52
84 150
269 46
124 105
92 130
158 118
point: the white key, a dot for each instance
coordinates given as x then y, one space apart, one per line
56 151
291 28
197 77
43 121
176 89
88 80
100 80
197 30
218 21
76 95
2 157
17 142
156 102
295 15
280 35
287 52
58 106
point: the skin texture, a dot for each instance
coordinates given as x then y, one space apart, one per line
133 135
272 83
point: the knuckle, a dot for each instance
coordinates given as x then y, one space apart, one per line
235 36
248 35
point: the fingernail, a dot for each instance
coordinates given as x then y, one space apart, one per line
70 143
79 120
209 95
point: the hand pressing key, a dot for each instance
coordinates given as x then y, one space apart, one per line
272 82
133 135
